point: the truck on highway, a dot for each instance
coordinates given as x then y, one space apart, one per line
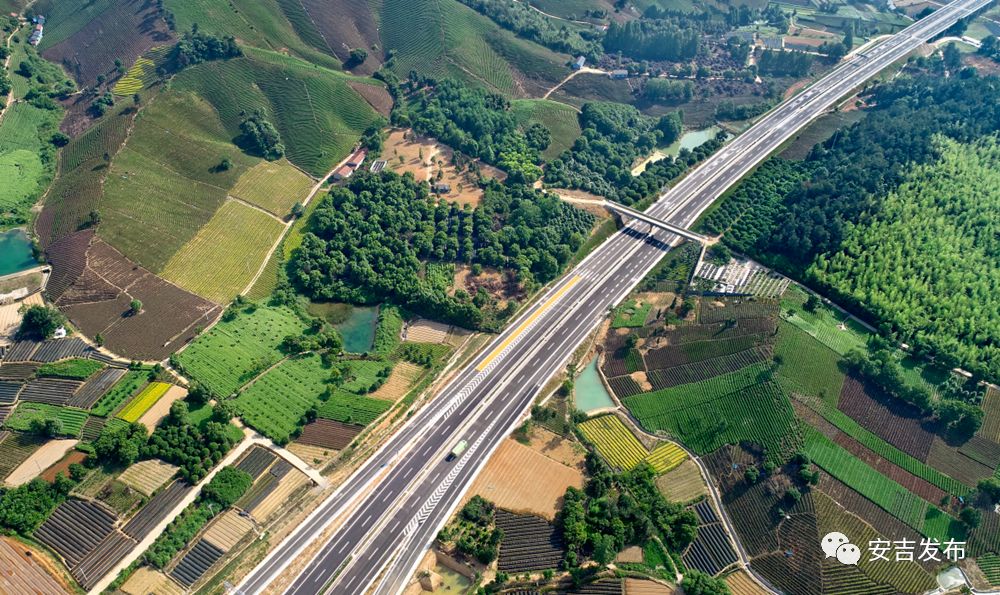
458 450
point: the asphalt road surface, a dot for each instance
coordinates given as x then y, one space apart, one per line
393 506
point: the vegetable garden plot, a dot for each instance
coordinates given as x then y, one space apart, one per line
143 401
529 543
8 391
156 510
982 450
711 551
666 457
696 351
71 420
102 559
52 391
328 433
93 389
92 429
709 368
256 461
899 425
724 309
911 482
991 414
604 586
947 459
614 441
57 349
624 386
21 351
352 409
196 563
721 330
75 529
148 476
15 448
18 371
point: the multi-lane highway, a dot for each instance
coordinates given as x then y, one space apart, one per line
392 507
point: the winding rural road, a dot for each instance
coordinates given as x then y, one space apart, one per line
393 506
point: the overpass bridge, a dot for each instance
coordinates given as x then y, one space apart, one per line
625 211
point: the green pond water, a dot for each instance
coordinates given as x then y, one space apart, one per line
590 391
358 330
15 252
688 140
451 581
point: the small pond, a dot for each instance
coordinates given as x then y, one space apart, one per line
590 392
15 252
358 329
688 140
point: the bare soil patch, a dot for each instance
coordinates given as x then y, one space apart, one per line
314 456
161 408
147 581
682 484
148 476
74 456
403 376
433 162
521 479
96 292
49 454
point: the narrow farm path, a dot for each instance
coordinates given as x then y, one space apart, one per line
6 66
569 77
250 438
291 221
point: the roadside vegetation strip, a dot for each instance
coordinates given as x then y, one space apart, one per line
143 401
28 417
887 494
631 314
666 457
614 441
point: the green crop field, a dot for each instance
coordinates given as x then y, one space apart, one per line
364 374
890 453
806 365
631 315
130 383
77 369
905 577
829 326
353 409
729 409
318 115
273 186
443 38
889 495
63 19
233 352
560 119
990 565
223 257
614 441
275 403
261 23
164 183
72 420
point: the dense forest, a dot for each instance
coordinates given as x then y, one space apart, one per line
672 39
474 121
778 63
369 241
614 137
846 217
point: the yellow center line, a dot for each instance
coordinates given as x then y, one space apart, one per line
541 309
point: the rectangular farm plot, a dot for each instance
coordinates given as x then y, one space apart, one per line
143 401
276 402
991 415
529 543
683 484
329 434
225 255
148 476
665 457
89 393
614 441
227 530
43 458
353 409
129 384
155 414
274 186
52 391
523 480
146 581
75 529
403 376
232 352
26 414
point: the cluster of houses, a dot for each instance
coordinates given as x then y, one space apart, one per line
36 36
352 165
